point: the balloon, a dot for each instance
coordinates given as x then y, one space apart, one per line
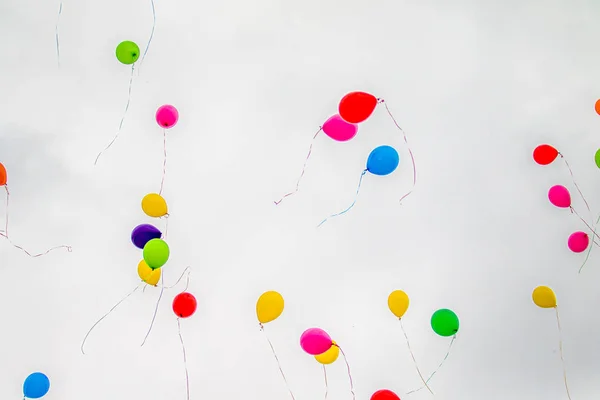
330 355
269 307
154 205
356 107
3 176
127 52
444 322
544 154
597 106
36 385
156 253
142 234
559 196
596 159
384 395
383 160
184 305
338 129
147 274
398 303
544 297
578 242
167 116
315 341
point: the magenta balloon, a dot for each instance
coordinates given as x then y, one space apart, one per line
315 341
167 116
559 196
338 129
578 242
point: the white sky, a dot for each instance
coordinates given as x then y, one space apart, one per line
476 85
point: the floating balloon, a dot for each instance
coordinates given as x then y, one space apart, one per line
3 176
355 107
147 274
444 322
559 196
384 395
167 116
156 253
330 355
578 242
184 305
597 158
36 385
597 106
154 205
142 234
383 160
127 52
315 341
544 154
338 129
398 303
544 297
269 306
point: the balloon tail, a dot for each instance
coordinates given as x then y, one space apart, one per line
187 377
162 289
164 171
575 182
303 168
353 202
438 368
262 328
349 374
56 34
122 118
106 315
413 357
326 383
587 256
151 35
562 358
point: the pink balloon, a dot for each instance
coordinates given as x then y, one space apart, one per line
167 116
338 129
559 196
578 242
315 341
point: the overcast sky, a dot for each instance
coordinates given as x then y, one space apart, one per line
475 84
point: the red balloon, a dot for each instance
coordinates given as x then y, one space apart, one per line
384 395
544 154
184 305
356 107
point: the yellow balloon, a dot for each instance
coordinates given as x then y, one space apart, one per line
330 355
544 297
398 303
154 205
269 306
147 274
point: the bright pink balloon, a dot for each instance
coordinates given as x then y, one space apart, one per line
167 116
559 196
315 341
338 129
578 242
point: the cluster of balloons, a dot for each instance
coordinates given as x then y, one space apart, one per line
36 385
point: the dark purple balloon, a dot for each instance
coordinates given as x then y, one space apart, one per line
142 234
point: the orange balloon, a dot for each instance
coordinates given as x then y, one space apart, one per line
3 177
356 107
597 106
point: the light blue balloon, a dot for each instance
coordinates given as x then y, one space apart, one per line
36 385
383 160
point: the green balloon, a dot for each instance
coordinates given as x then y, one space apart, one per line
128 52
597 158
444 322
156 253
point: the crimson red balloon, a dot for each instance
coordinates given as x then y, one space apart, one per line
184 305
384 394
544 154
356 107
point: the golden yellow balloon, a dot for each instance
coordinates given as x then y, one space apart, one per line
398 303
269 306
544 297
147 274
154 205
330 355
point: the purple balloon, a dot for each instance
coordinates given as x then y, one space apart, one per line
142 234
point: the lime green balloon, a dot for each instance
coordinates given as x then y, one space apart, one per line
156 253
597 158
128 52
444 322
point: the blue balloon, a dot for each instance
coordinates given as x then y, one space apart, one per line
383 160
36 385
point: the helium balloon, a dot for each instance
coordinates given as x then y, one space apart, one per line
36 385
559 196
544 154
338 129
597 106
578 242
398 303
444 322
184 305
3 176
356 107
383 160
147 274
596 158
167 116
384 394
315 341
269 307
544 297
330 355
156 253
142 234
154 205
127 52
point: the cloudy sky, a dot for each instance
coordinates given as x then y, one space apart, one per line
475 84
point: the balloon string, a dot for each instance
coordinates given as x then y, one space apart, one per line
438 368
106 315
262 328
585 222
122 118
166 226
151 35
162 289
303 168
353 202
56 33
562 358
349 374
188 270
413 357
187 377
587 256
575 183
164 171
326 383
